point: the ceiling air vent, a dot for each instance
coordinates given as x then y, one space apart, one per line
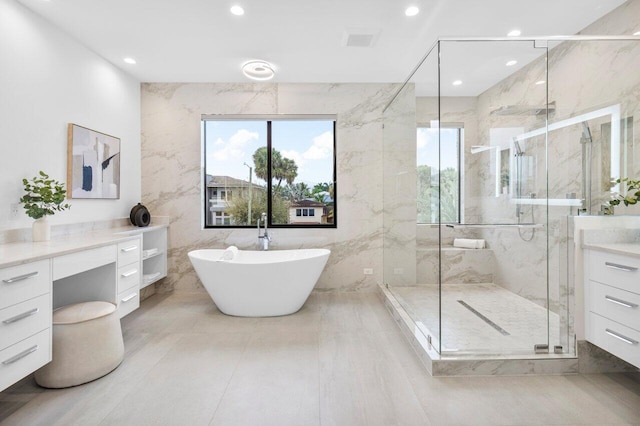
360 37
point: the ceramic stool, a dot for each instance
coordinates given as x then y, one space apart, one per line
87 344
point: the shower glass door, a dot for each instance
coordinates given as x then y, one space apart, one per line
411 215
491 148
494 256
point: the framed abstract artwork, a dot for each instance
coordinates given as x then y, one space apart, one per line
93 164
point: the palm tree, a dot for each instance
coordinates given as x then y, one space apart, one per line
319 197
319 187
296 192
282 168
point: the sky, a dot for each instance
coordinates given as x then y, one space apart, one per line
427 147
230 144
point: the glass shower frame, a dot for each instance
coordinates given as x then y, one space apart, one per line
398 237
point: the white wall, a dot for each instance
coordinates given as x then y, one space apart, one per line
47 80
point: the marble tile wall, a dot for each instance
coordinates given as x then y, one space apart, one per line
399 170
171 172
572 96
459 265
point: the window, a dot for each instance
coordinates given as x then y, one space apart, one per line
438 188
283 166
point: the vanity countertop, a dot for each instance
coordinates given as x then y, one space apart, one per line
17 253
627 249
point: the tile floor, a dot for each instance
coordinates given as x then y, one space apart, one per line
465 332
340 361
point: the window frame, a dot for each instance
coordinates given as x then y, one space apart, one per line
269 188
460 161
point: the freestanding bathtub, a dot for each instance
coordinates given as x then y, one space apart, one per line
259 283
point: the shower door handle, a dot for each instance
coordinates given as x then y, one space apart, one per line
620 267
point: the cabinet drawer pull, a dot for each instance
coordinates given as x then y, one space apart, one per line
21 277
21 355
620 267
621 337
621 302
128 249
128 274
21 316
131 296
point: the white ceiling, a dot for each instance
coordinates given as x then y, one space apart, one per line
201 41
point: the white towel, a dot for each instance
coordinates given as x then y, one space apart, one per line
468 243
149 252
229 253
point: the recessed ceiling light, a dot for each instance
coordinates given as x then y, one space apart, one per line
258 70
457 83
130 61
511 63
539 82
237 10
514 33
636 33
412 11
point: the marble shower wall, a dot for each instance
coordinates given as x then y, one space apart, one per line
459 265
399 168
171 172
582 77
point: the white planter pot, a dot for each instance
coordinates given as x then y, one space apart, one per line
622 210
41 230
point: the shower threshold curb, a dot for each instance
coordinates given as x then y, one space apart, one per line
440 366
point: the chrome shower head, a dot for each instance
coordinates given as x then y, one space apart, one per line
519 151
586 132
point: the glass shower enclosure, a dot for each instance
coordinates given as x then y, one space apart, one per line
491 146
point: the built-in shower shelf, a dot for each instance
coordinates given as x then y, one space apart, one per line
566 202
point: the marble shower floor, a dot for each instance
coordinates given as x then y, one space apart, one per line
341 360
518 323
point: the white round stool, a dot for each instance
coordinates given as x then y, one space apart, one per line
87 344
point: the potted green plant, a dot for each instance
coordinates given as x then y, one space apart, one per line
43 197
631 197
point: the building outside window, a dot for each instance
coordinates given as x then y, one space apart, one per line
283 166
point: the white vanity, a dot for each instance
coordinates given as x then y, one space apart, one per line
612 298
36 278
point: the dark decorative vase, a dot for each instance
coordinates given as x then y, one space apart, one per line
140 216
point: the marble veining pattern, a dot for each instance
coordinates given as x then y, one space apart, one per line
464 332
171 177
540 270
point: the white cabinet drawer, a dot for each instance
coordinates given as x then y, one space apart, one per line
128 252
128 301
621 341
619 305
23 282
615 270
20 321
129 277
75 263
24 358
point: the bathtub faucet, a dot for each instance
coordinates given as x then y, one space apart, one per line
266 238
